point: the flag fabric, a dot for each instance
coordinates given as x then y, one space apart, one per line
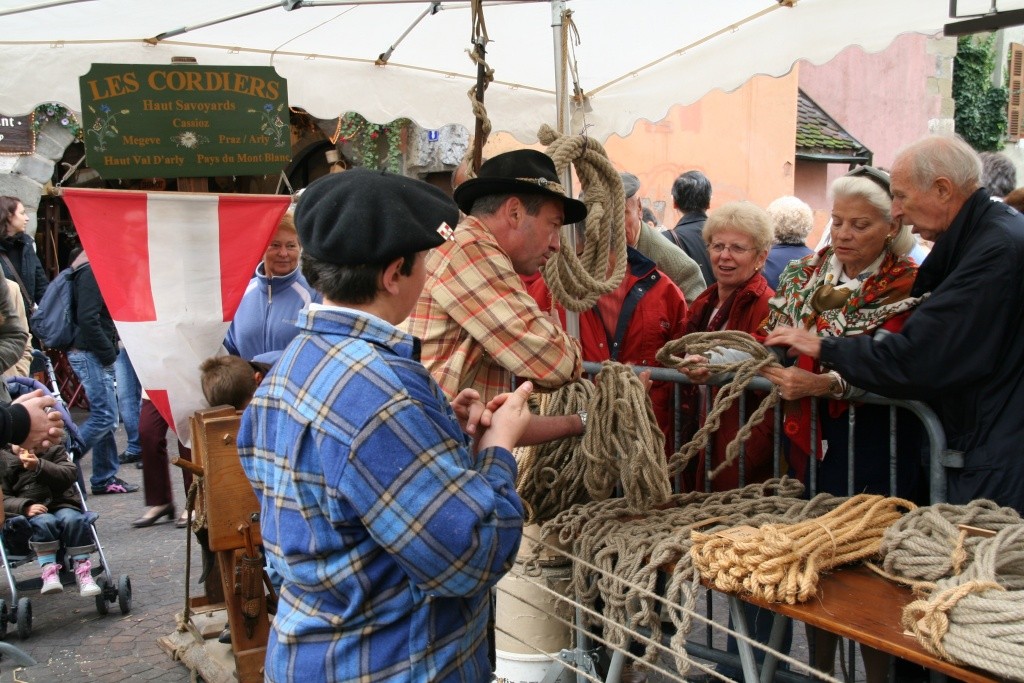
172 268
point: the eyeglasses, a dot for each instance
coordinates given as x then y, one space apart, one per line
877 176
289 246
719 247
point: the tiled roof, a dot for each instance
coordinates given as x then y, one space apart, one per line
818 135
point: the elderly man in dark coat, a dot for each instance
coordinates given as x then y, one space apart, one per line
962 350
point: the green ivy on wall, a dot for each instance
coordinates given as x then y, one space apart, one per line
374 145
980 116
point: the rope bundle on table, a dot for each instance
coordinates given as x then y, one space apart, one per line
928 543
617 552
977 618
672 355
783 563
577 282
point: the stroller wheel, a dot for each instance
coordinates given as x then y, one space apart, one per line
5 618
23 618
124 594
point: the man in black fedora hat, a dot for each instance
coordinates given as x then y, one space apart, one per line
478 325
387 523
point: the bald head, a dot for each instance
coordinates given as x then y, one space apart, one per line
942 156
932 179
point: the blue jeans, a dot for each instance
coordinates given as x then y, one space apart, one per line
66 525
98 431
129 400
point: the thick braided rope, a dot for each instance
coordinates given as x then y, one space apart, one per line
625 444
550 477
629 548
779 563
479 112
973 618
671 356
927 544
480 37
577 282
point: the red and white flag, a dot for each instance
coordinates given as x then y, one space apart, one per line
172 268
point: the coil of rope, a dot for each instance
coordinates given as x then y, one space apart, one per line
551 474
622 445
577 282
628 447
783 563
974 618
672 355
929 543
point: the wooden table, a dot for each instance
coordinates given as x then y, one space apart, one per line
853 603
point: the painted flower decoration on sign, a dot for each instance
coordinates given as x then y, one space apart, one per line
105 125
189 139
271 124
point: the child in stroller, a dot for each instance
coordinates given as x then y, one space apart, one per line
42 489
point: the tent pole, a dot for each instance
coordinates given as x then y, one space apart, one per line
572 319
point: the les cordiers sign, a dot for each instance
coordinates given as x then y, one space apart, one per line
184 120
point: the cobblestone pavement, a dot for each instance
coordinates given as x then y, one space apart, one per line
71 641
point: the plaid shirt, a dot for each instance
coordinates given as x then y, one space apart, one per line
478 325
387 530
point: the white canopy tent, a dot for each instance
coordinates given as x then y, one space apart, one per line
633 60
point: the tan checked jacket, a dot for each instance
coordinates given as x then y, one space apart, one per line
478 325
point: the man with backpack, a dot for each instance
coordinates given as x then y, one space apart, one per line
92 354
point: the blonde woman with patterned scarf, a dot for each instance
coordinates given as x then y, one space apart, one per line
859 284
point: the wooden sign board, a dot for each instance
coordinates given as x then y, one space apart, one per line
16 137
184 120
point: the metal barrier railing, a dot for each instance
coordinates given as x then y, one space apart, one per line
939 458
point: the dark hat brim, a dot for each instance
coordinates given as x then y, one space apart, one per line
475 188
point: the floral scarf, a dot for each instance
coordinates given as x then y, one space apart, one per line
879 293
876 295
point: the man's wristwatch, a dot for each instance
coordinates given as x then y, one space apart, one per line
583 418
835 384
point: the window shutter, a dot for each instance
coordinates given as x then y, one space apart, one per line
1015 108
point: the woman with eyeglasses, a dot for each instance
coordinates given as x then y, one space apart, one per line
738 237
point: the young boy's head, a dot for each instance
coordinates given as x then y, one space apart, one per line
230 380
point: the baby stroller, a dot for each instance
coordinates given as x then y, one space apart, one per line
14 549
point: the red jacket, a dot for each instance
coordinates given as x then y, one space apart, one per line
748 311
653 312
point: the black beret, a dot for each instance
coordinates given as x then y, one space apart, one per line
364 217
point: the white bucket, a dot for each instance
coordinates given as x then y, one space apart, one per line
512 667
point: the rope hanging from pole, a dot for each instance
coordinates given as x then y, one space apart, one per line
577 282
484 77
473 157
